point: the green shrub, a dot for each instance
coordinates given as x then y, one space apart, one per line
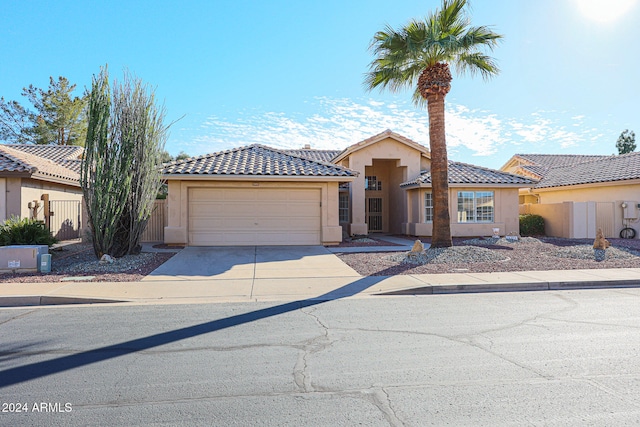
16 231
531 225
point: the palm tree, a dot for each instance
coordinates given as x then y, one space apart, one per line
418 56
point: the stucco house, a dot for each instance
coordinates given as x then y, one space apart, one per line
42 182
577 194
257 195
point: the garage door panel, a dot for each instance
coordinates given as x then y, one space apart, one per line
221 224
221 239
301 210
287 225
254 216
272 194
207 210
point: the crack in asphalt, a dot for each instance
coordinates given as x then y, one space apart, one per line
574 305
625 397
17 317
382 401
301 374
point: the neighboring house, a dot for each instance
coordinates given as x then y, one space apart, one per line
257 195
31 175
577 194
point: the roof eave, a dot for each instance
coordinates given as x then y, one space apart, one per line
468 185
56 179
296 178
15 174
633 181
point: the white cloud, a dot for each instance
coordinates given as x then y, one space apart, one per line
338 123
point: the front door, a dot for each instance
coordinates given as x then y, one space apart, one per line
374 214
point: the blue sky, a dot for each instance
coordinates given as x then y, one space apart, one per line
289 73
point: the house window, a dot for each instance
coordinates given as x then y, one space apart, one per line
343 207
372 183
428 207
475 206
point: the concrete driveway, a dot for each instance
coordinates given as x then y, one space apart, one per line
252 262
254 272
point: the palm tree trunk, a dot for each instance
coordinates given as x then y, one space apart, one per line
441 235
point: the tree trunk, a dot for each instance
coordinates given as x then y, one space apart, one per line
441 236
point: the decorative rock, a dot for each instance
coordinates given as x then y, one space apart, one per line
512 237
106 259
599 254
417 248
600 242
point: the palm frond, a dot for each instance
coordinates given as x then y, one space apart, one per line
477 62
444 36
480 36
452 14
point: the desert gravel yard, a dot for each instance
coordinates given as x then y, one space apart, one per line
79 260
489 255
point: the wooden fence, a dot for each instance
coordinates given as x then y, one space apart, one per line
65 220
158 221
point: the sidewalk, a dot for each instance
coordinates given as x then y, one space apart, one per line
313 273
292 289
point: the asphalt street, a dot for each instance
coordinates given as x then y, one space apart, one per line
528 358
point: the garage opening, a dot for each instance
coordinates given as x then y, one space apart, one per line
254 216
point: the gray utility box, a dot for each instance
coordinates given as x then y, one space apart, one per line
21 257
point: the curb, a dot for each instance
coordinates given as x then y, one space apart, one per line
513 287
436 289
38 300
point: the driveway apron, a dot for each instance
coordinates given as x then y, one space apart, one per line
252 262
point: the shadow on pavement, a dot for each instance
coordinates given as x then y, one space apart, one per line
32 371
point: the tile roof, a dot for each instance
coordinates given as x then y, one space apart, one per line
69 156
317 155
54 153
606 169
14 160
257 160
463 173
539 164
74 165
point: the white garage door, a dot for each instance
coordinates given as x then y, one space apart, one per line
254 216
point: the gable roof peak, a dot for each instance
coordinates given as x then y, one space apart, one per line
379 137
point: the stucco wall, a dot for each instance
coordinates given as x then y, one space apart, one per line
581 219
582 224
557 217
396 162
67 216
32 189
629 190
505 213
13 197
177 233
